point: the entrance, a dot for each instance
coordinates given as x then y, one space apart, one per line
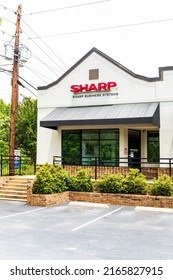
134 148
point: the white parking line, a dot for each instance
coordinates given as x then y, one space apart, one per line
99 218
22 213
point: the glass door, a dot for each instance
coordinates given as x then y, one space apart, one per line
134 148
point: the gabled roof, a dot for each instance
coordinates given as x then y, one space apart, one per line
114 62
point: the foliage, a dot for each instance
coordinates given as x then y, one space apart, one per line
162 186
4 127
110 183
54 179
134 183
82 182
26 127
51 179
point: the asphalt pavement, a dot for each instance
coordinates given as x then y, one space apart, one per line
85 231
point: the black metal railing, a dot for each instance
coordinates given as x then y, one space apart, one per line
17 165
147 167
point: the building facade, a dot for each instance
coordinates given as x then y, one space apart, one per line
100 113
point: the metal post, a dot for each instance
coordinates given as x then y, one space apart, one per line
1 164
95 168
170 171
20 165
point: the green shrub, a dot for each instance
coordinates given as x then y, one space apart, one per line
110 183
162 186
134 183
51 179
82 182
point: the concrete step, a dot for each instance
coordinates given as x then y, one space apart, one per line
15 192
15 188
13 197
19 181
8 184
32 177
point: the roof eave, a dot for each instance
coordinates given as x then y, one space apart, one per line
114 62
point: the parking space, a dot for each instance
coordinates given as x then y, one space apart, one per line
84 231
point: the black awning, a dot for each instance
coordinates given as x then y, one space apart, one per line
141 113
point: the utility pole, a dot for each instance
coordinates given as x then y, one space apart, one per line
14 96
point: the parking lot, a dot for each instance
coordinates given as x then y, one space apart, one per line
85 231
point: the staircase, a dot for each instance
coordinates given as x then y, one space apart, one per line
15 188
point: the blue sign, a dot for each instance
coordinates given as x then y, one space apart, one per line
16 163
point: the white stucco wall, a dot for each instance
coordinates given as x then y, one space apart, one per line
129 90
47 140
166 129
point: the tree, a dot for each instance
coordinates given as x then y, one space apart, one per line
4 127
26 127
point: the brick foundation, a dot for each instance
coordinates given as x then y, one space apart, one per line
46 199
116 199
123 199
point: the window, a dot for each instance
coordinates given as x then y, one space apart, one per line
71 147
93 74
153 146
90 147
109 147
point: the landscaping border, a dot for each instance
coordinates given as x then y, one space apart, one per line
107 198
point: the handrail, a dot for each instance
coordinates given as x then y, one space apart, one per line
120 160
20 164
135 162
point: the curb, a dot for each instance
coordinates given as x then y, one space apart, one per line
153 209
88 204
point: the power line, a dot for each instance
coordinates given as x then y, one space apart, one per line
7 20
80 5
48 48
30 91
6 64
30 69
28 83
102 28
4 32
68 7
5 8
42 50
46 44
19 83
45 64
46 55
49 67
35 71
9 73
